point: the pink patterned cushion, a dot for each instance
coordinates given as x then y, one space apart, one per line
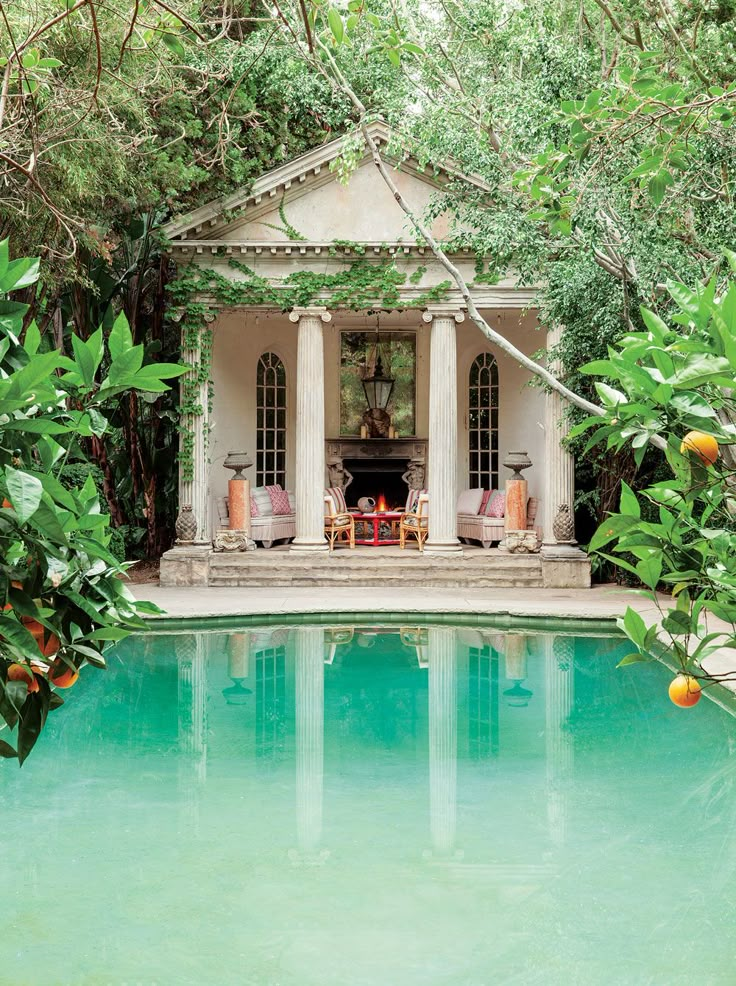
496 504
253 508
484 502
279 500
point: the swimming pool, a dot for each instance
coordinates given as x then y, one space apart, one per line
365 805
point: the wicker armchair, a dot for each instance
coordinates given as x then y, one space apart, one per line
415 524
338 525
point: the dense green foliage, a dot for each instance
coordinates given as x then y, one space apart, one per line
58 575
677 380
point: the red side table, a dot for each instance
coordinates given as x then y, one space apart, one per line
375 520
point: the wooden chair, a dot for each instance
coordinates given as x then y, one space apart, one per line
338 525
415 524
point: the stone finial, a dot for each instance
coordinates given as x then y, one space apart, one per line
563 526
186 524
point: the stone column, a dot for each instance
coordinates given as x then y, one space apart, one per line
310 724
565 564
310 429
442 738
559 467
194 437
442 471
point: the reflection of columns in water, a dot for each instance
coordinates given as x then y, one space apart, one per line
559 698
442 737
310 714
191 651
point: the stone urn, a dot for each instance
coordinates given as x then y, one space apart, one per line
186 524
237 461
366 504
516 461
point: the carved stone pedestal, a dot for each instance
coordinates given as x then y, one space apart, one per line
520 542
227 539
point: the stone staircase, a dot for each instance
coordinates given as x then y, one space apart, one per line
473 568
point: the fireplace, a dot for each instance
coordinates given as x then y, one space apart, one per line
377 466
371 477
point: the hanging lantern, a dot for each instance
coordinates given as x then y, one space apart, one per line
378 385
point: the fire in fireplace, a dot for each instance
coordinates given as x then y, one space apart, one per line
374 477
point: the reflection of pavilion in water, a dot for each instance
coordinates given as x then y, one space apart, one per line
478 690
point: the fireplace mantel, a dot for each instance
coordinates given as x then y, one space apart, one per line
376 448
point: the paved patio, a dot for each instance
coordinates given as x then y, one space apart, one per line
599 603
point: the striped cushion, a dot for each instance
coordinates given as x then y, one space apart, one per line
338 498
412 501
260 502
484 502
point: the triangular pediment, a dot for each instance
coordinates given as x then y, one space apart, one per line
304 201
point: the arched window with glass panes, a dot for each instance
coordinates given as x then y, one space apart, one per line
271 421
483 423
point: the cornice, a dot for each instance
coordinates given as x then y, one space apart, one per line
273 184
301 248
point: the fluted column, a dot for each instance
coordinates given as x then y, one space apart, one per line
559 699
195 399
310 720
310 429
442 738
559 466
442 471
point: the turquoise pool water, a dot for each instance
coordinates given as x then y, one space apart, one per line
325 806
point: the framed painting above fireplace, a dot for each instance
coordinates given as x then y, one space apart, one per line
359 353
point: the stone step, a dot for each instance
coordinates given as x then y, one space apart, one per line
292 569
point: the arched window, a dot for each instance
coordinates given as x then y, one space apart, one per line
270 421
483 422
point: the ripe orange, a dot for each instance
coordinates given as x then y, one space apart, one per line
705 447
61 675
48 643
19 672
684 691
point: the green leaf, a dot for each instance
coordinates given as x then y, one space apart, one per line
336 25
635 658
629 504
125 366
609 395
7 751
24 492
85 360
635 627
658 185
120 339
20 274
32 719
611 528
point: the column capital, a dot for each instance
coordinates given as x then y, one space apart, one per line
443 311
310 311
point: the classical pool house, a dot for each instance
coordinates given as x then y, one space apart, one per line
329 344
